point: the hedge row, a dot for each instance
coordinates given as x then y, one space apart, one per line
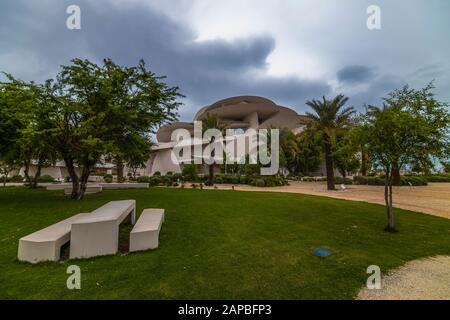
172 179
379 181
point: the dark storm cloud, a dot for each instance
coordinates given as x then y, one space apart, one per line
34 42
355 74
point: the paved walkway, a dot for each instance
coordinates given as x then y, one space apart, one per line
424 279
433 199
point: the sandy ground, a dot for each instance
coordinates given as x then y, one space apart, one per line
433 199
425 279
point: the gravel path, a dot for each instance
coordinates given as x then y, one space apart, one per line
424 279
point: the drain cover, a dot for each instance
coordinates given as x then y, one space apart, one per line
322 252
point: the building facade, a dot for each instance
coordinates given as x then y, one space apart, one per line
237 113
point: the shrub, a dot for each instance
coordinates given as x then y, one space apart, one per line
438 178
169 173
414 181
143 179
189 172
260 183
157 173
155 181
108 178
177 177
16 178
360 180
379 181
45 178
219 179
167 180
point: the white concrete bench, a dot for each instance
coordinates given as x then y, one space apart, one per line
45 244
145 234
90 189
57 186
98 233
124 185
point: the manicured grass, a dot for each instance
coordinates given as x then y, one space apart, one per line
220 245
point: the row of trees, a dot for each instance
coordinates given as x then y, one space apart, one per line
86 113
410 129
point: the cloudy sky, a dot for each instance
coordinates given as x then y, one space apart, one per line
286 50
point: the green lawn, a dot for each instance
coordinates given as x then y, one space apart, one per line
220 245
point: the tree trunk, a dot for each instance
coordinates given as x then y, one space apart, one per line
83 182
26 172
211 175
329 164
364 161
396 175
34 183
388 199
73 176
119 165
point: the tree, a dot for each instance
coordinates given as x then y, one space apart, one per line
346 156
411 125
211 122
93 111
28 147
329 118
309 152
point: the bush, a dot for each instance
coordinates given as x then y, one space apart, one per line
379 181
438 178
16 178
177 177
414 181
157 173
143 179
108 178
167 180
190 172
341 180
155 181
45 178
260 183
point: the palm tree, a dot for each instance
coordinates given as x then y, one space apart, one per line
330 116
211 122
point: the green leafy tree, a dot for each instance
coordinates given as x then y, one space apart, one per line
93 111
29 146
412 125
309 154
346 153
330 117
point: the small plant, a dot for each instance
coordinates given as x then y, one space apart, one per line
108 178
194 186
201 186
260 183
46 179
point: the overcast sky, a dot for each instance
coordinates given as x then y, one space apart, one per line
288 51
